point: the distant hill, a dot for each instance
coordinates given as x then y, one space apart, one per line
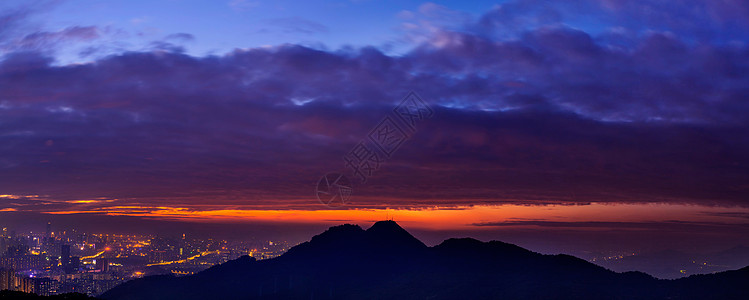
386 262
672 264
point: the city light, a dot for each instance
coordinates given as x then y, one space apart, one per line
71 262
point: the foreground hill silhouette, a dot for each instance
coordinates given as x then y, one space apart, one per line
15 295
386 262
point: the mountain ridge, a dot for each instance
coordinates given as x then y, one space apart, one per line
387 262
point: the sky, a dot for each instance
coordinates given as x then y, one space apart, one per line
592 119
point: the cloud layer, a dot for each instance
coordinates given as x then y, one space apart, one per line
527 106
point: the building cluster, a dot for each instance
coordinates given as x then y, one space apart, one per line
55 262
10 281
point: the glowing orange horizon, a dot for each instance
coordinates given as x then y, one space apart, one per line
438 218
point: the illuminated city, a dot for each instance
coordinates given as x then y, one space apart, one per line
67 261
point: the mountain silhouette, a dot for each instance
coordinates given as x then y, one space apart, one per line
386 262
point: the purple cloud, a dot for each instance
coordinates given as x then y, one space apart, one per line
43 40
181 37
552 113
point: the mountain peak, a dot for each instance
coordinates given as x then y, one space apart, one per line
386 225
389 232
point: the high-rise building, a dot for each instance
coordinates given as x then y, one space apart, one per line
54 261
48 234
16 250
75 263
24 262
65 255
43 286
7 279
102 264
25 284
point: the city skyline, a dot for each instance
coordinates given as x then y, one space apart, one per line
68 261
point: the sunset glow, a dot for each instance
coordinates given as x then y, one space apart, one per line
459 217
